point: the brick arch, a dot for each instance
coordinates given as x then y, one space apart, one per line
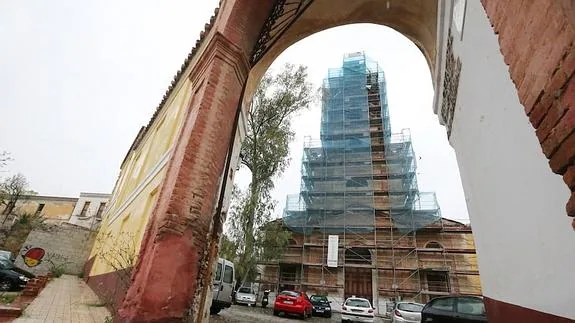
416 20
173 264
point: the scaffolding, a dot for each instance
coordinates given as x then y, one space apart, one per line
358 181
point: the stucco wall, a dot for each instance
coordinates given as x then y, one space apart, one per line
89 219
516 204
55 209
65 246
134 197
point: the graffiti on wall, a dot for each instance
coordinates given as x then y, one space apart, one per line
34 256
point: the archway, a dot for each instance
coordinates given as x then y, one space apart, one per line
223 70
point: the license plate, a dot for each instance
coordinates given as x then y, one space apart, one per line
288 302
319 311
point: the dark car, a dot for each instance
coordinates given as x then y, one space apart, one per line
12 277
321 306
454 309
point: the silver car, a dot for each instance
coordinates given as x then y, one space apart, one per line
407 312
246 295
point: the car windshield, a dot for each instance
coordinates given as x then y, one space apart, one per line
290 293
245 290
6 264
410 307
357 303
316 298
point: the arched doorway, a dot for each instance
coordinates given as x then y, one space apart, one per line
358 273
244 37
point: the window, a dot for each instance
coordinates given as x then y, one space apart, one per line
246 290
219 272
433 245
85 208
317 298
229 274
354 302
100 210
290 293
40 208
444 304
410 307
470 306
357 256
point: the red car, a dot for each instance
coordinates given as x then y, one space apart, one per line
293 302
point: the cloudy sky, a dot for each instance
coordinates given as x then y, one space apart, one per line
79 78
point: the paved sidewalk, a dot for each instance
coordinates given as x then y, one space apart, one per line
65 299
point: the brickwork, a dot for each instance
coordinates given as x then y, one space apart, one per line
537 40
65 246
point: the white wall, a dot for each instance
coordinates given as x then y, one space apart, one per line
95 201
525 244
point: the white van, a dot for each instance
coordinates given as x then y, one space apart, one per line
222 285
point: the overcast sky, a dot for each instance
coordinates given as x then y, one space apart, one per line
79 78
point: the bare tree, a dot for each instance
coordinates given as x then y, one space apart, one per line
12 189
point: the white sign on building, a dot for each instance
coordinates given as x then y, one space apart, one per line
332 250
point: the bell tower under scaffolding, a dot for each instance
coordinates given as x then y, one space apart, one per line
359 183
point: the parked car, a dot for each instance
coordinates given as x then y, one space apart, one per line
357 309
246 295
223 283
407 312
11 277
7 254
293 302
321 306
454 309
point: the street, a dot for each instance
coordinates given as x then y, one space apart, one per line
238 313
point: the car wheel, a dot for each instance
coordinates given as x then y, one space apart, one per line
276 313
5 285
214 310
329 315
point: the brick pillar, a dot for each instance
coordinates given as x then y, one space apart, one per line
173 269
537 40
172 255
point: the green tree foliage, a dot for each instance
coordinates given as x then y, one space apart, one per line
265 152
228 248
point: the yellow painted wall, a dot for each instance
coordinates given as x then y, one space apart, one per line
141 175
55 209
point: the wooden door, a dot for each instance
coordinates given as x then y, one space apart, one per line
358 282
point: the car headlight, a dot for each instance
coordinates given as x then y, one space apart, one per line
24 278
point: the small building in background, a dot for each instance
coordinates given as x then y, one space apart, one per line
84 211
89 209
54 209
